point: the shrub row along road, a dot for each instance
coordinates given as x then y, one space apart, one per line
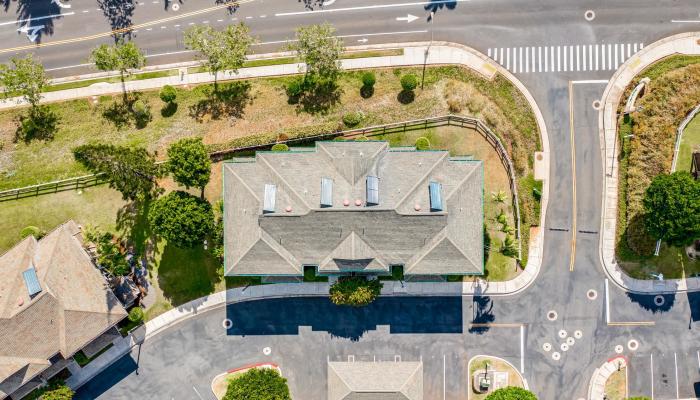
547 44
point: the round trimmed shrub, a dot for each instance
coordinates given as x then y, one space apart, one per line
409 82
511 393
368 79
140 108
353 118
280 147
422 143
260 384
355 291
31 230
136 314
168 94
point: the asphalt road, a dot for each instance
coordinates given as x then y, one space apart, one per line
547 44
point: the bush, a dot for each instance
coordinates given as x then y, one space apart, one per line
362 139
168 94
55 390
511 393
136 315
672 208
142 113
258 384
40 123
280 147
422 143
355 291
409 82
368 79
353 118
31 230
295 88
181 219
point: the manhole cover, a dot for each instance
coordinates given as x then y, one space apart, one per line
592 294
570 341
267 351
596 104
619 349
659 300
552 315
556 356
564 347
578 334
589 15
227 323
633 345
547 347
175 7
562 334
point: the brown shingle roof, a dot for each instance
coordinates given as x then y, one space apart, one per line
375 380
75 304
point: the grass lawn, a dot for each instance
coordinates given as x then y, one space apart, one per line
689 142
479 363
467 142
647 139
616 386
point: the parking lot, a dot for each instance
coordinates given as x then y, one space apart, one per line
674 375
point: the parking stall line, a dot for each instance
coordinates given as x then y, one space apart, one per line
675 365
651 365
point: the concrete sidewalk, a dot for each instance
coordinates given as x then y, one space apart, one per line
685 43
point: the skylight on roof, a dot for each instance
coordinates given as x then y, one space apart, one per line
326 192
372 191
31 281
435 190
269 201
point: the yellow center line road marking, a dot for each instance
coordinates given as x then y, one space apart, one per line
573 175
637 323
127 29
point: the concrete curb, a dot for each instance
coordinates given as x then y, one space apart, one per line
596 387
684 43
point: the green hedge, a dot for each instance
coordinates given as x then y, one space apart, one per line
355 291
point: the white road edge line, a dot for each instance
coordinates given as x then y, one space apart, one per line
698 359
651 365
522 349
675 364
444 378
196 391
685 21
329 10
607 310
19 21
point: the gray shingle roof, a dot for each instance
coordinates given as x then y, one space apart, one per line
375 380
350 235
74 306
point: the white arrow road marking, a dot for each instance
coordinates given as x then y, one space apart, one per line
408 18
363 40
62 5
31 31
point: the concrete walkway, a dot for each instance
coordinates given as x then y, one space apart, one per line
685 43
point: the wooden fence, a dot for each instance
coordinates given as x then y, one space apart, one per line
77 183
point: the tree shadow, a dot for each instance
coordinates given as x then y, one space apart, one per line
228 101
366 91
187 274
119 14
319 98
168 110
39 123
29 9
132 224
653 303
437 5
482 313
406 96
118 113
167 3
311 4
231 9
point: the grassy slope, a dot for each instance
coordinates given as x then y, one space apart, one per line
689 142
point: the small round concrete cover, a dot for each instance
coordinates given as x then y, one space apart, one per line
547 347
592 294
556 356
552 315
267 351
175 7
578 334
562 334
227 323
633 345
619 349
589 15
564 347
659 300
570 341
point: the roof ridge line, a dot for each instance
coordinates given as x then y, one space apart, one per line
243 183
460 183
347 385
420 181
279 249
460 250
410 376
433 245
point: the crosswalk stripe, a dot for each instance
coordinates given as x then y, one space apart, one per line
564 58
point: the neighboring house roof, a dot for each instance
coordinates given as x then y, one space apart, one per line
375 380
74 306
342 237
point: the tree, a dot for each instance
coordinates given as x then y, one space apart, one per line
422 143
189 163
355 291
181 219
511 393
133 172
258 384
25 77
409 82
122 56
320 50
223 50
672 208
168 94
